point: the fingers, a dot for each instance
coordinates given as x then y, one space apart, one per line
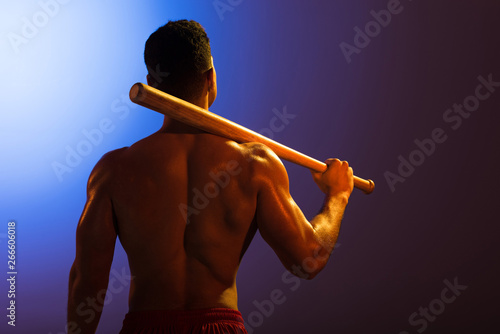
330 161
344 165
337 179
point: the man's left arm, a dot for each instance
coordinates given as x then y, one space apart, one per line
95 244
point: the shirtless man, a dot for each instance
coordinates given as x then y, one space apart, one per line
186 205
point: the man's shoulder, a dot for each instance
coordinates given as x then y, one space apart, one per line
262 161
111 158
260 155
106 167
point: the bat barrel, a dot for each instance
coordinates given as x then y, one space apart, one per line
205 120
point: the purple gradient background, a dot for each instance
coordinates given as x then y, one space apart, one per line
395 248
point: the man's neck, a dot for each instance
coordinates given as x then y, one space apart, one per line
201 102
173 126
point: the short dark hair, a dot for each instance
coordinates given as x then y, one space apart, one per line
177 55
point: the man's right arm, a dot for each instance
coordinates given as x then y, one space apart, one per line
302 246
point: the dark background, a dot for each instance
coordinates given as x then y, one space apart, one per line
396 248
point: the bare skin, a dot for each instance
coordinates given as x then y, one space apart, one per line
183 251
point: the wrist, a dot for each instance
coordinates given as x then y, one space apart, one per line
337 198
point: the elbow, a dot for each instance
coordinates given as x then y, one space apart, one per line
305 271
311 264
79 282
313 272
308 268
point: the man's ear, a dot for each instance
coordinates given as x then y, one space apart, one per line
212 86
210 78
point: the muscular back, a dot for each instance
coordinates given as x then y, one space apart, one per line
184 205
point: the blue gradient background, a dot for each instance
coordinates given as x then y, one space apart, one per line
395 248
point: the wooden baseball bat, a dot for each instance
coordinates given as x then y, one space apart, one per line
205 120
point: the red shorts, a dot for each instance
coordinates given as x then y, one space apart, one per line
215 320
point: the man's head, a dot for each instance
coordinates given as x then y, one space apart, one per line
179 61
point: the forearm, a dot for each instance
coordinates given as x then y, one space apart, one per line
319 240
85 304
327 223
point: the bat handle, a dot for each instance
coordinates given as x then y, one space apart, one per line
366 186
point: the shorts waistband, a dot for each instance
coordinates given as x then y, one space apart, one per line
184 317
